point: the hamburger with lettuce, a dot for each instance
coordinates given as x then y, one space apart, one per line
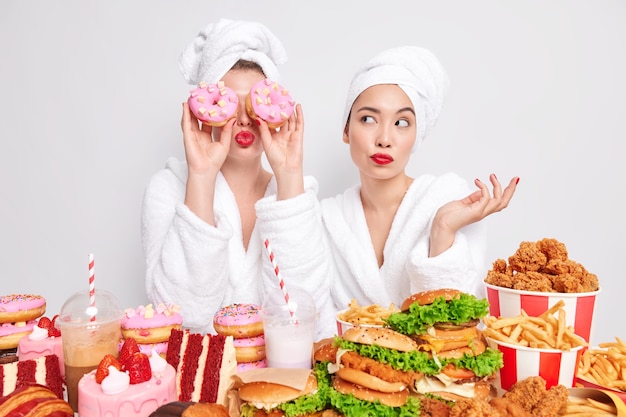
443 324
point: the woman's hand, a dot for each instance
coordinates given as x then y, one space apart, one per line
204 156
471 209
204 160
283 149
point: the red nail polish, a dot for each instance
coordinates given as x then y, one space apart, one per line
517 181
258 122
494 176
477 180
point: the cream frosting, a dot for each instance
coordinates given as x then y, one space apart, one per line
149 316
18 327
250 341
271 101
138 400
238 315
213 103
18 302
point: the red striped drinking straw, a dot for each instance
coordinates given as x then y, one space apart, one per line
281 282
92 286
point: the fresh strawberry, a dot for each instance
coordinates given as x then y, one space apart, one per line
44 322
128 349
54 330
103 367
138 368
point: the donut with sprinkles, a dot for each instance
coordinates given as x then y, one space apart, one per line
239 321
21 307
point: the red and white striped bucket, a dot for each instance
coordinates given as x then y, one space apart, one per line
579 307
520 362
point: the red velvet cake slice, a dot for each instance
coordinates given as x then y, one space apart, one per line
205 365
43 370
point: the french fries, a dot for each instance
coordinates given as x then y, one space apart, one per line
605 366
372 314
587 407
548 331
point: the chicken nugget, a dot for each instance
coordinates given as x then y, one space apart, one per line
533 281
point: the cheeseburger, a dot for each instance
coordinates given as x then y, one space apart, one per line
443 325
373 372
263 399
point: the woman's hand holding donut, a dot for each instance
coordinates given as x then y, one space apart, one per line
283 149
456 214
204 160
204 156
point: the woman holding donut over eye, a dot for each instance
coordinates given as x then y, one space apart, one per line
201 218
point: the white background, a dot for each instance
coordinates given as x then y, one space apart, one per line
91 93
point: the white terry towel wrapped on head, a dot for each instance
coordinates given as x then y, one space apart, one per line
417 71
220 45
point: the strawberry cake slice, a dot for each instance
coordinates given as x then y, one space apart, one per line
133 385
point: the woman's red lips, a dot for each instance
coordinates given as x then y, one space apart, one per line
382 158
244 138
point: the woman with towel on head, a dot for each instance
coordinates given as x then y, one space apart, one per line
393 235
204 220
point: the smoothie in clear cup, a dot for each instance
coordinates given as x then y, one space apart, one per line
89 333
289 329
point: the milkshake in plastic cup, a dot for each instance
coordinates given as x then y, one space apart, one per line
289 330
89 332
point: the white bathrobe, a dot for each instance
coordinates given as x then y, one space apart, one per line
406 269
203 268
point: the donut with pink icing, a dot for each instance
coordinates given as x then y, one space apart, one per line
151 324
250 349
246 366
11 333
21 307
239 321
213 104
271 102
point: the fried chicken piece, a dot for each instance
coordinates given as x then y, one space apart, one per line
551 403
566 283
508 408
499 265
527 392
533 281
473 407
379 369
499 279
590 283
432 407
553 249
527 257
532 395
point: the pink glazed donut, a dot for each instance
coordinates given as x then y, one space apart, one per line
213 104
21 307
250 349
271 102
239 321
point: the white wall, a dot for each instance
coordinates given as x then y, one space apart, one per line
90 97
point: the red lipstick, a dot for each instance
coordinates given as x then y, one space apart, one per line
244 138
382 158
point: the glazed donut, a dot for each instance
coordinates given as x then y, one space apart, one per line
10 334
213 104
150 325
239 321
246 366
21 307
250 349
271 102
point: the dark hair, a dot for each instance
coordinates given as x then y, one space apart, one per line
243 64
